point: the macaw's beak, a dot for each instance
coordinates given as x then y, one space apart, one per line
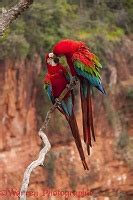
56 59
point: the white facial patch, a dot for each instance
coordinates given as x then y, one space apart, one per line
51 62
51 55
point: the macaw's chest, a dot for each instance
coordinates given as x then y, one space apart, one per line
59 83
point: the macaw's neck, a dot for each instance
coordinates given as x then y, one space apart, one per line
71 66
52 69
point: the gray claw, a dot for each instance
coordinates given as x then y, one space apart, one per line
58 101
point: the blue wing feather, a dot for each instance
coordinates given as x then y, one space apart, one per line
67 105
48 89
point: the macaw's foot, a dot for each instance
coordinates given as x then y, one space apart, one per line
74 80
57 101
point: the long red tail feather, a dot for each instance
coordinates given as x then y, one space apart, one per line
90 113
75 132
87 118
86 123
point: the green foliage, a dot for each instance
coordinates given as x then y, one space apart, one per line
129 94
96 22
14 43
39 28
115 34
7 3
47 21
14 46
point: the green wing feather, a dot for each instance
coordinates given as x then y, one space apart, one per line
93 71
90 73
87 62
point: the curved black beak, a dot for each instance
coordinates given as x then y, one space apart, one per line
56 59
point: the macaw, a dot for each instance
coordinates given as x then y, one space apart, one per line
86 66
55 82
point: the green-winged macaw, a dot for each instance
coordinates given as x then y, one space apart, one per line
86 66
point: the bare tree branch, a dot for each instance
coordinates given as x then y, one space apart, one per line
8 16
34 164
43 152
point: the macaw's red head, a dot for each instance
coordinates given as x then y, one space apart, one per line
66 47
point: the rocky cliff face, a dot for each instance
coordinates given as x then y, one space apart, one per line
18 119
110 175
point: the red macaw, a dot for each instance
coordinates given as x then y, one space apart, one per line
86 66
55 82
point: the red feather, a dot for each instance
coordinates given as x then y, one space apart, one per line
84 56
66 47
